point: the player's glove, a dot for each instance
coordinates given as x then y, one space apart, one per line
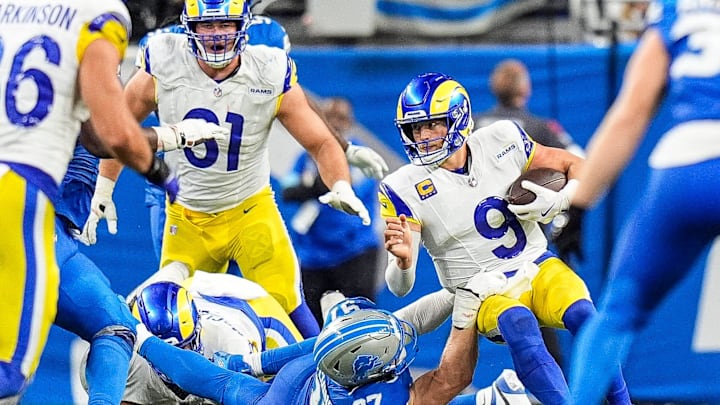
238 363
342 197
469 298
101 206
547 203
367 160
566 233
160 175
188 133
521 281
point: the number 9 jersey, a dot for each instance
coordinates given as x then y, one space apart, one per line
466 225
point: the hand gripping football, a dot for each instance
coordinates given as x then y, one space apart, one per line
549 178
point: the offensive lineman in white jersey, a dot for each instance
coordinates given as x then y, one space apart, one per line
209 313
451 200
226 209
58 66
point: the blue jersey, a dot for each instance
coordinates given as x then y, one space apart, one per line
298 381
77 188
324 391
688 29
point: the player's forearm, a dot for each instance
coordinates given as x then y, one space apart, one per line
189 370
113 122
429 312
624 126
272 360
610 150
110 168
332 164
454 373
399 281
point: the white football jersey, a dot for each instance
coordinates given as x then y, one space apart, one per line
43 42
219 175
466 225
229 324
224 328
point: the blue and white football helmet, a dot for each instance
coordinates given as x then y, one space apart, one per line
169 312
365 345
432 96
347 306
217 50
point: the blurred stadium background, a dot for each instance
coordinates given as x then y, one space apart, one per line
366 51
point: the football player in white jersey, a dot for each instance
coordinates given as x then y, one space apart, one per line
451 198
678 215
226 209
207 313
58 66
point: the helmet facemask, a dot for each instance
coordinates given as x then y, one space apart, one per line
216 49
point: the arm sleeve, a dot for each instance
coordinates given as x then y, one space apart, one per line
272 360
399 281
429 312
191 371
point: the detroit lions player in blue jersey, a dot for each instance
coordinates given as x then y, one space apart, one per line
678 216
87 306
361 356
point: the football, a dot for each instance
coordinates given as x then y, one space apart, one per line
549 178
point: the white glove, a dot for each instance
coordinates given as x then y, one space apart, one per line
547 203
101 206
188 133
367 160
141 335
521 281
469 298
342 197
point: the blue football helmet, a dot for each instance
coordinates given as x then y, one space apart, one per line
365 345
217 50
347 306
169 312
432 96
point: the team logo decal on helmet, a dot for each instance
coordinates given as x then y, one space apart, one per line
169 312
365 345
429 97
216 49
